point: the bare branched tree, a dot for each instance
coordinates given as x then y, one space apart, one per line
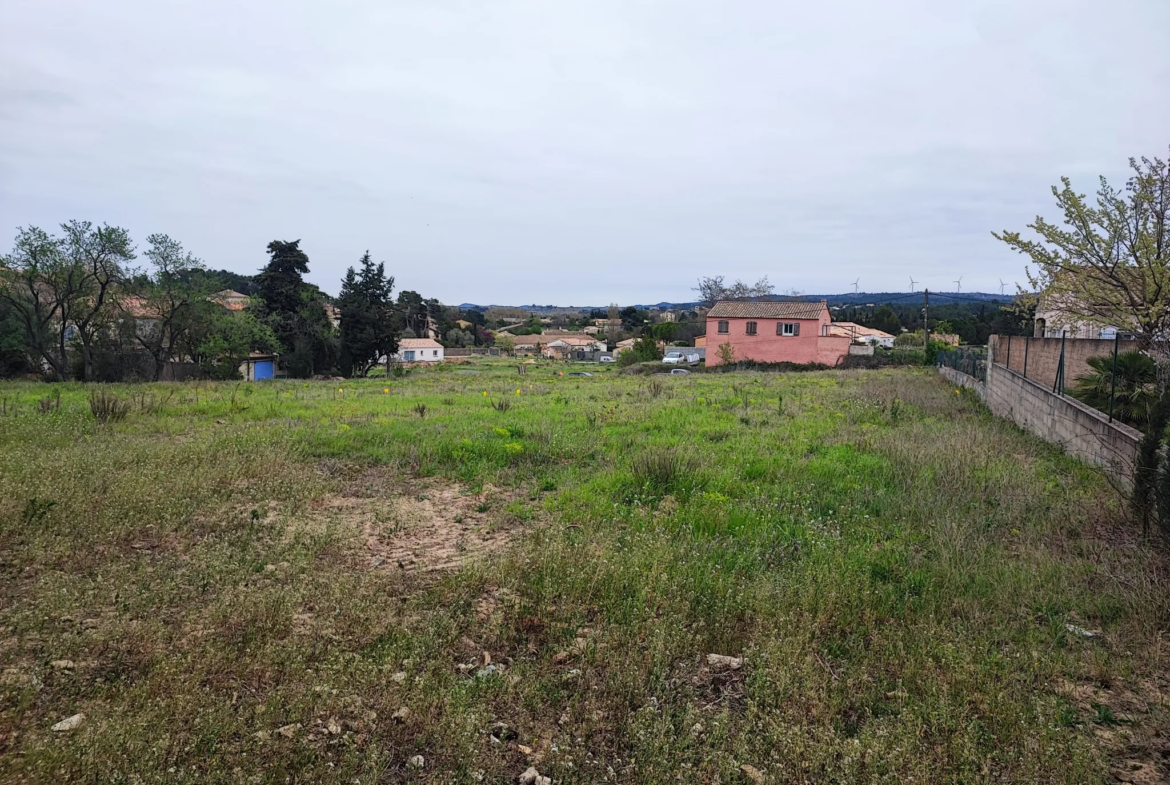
711 289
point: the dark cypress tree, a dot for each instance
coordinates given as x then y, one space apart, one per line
295 311
367 317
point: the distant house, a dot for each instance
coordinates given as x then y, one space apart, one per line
621 346
788 331
231 299
419 350
333 313
1054 318
563 347
862 334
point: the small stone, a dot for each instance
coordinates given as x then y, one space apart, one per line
402 715
417 762
562 657
491 670
752 773
564 719
398 678
723 662
290 730
530 776
269 568
697 729
334 727
63 665
524 749
1081 631
70 723
262 735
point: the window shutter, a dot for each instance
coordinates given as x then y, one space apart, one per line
796 328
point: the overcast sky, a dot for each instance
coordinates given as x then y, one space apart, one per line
579 151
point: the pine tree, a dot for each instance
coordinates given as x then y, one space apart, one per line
367 317
295 311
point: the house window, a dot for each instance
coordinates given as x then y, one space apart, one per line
750 329
408 356
825 330
787 328
723 328
435 353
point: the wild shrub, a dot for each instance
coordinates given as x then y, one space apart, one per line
658 472
50 404
107 407
655 388
501 405
421 410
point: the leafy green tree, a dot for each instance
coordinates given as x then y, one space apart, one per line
459 339
1136 388
412 313
163 303
42 289
665 331
13 357
506 342
645 349
367 317
219 340
62 288
294 311
1110 261
102 255
886 320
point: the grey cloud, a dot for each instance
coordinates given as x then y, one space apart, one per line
579 151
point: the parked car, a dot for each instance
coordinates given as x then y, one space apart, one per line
673 371
606 360
673 358
579 373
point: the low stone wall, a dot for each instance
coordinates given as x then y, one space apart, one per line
1080 430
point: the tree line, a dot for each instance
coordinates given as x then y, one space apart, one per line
78 305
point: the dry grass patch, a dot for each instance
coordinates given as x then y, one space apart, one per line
414 526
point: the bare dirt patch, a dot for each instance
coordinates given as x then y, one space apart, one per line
427 528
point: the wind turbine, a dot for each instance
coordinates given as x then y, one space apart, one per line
959 284
1002 286
912 282
855 284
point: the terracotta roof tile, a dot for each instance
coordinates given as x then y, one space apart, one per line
787 309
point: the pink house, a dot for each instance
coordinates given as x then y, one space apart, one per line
795 332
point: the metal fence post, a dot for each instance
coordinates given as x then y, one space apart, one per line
1009 352
1113 383
1026 344
1058 383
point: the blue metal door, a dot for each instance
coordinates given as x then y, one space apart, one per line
262 370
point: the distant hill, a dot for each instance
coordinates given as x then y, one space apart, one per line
849 298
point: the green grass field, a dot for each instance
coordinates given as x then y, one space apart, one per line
297 582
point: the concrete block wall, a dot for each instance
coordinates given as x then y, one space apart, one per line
960 379
1080 430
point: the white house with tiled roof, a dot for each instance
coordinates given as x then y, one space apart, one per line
419 350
